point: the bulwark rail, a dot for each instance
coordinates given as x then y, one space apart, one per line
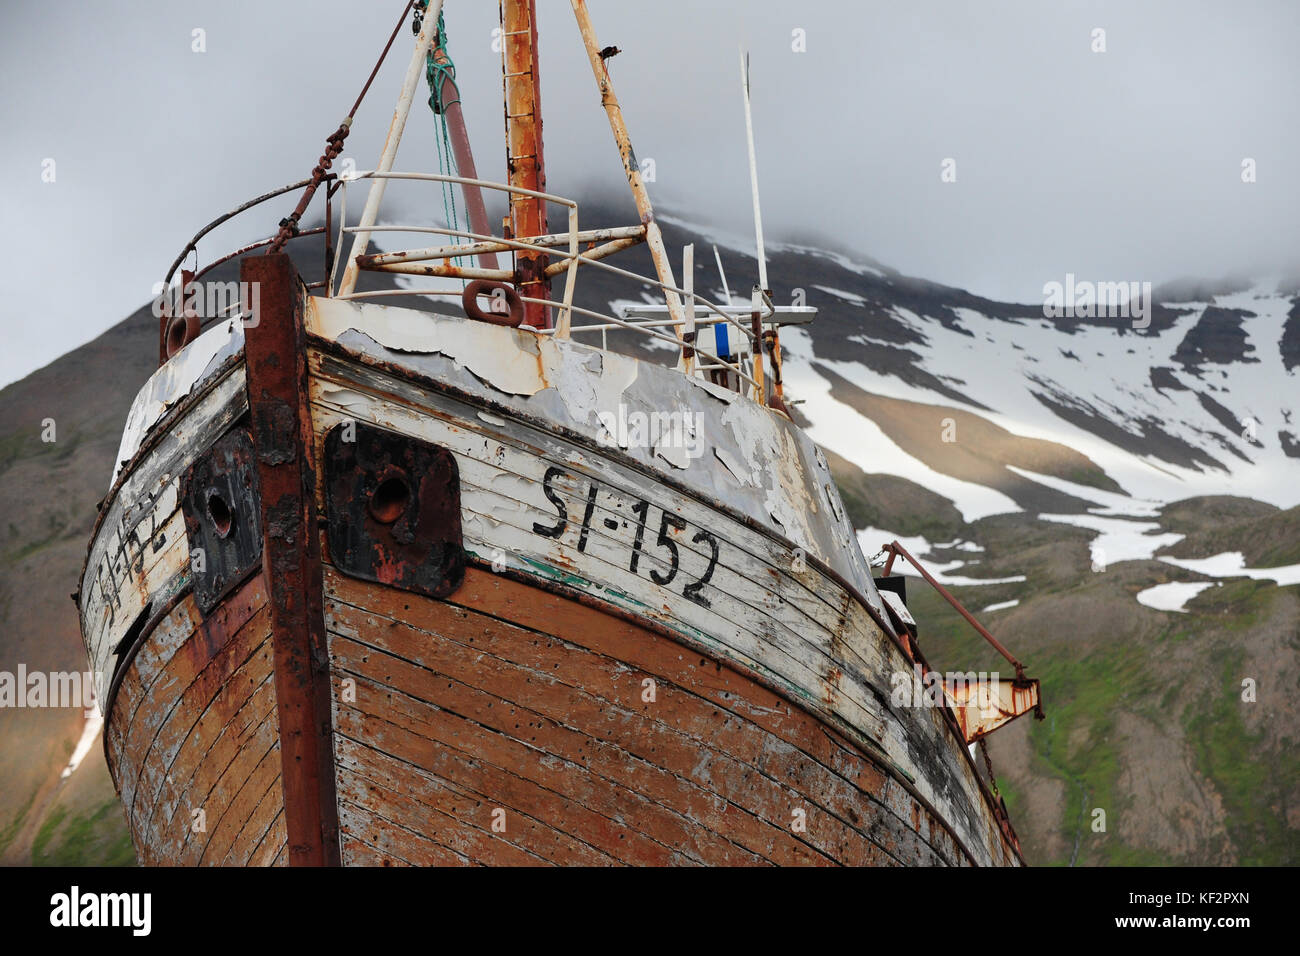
694 311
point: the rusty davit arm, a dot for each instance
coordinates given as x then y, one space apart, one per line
981 706
654 238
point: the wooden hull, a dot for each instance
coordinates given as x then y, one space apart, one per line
508 726
564 704
515 728
193 738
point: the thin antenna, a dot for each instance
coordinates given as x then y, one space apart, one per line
753 171
725 288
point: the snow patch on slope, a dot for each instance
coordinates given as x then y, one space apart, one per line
859 440
1174 595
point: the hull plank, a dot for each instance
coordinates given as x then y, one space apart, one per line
191 760
456 802
194 678
187 787
666 774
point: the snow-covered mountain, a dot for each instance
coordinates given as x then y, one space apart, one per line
963 395
1118 500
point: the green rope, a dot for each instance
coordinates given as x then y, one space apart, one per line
436 73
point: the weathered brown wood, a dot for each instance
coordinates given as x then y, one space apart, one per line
270 845
402 846
724 686
473 664
841 664
239 791
192 779
639 827
432 745
678 761
399 806
275 364
204 671
202 705
724 689
689 772
162 691
271 805
207 675
452 800
357 853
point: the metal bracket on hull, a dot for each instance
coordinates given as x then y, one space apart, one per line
984 704
222 518
393 508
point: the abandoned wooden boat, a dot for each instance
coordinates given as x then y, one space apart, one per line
378 585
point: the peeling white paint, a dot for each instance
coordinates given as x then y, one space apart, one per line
475 346
761 466
717 391
173 381
745 476
593 387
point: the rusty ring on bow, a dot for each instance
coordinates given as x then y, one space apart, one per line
469 301
181 331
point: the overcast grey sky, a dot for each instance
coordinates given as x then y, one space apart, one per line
1125 164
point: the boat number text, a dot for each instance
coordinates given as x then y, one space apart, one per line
664 541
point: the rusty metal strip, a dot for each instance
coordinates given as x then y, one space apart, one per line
524 155
894 548
276 363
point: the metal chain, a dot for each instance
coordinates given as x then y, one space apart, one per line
988 766
333 146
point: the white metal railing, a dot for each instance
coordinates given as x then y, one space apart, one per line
408 262
435 261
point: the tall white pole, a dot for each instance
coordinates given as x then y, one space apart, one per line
688 286
753 172
423 44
